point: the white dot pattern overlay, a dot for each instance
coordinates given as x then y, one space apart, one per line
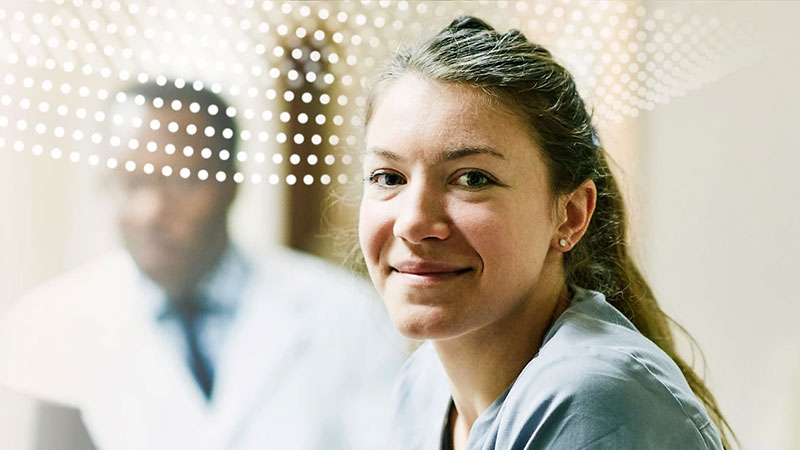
294 73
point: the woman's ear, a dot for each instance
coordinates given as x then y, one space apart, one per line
574 214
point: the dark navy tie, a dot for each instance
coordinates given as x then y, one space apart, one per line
189 315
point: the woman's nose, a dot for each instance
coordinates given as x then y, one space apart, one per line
421 215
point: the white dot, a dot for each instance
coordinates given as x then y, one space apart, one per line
185 173
291 179
209 131
130 166
191 129
173 127
227 133
312 159
298 139
294 159
274 179
224 155
277 158
206 153
202 174
325 179
148 168
169 148
55 153
316 139
111 163
166 171
221 176
280 138
238 177
308 180
342 179
330 160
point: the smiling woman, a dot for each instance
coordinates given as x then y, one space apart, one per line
492 227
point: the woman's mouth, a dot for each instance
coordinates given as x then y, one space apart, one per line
428 272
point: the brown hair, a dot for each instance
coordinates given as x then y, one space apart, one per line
525 76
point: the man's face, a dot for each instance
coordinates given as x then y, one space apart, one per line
173 227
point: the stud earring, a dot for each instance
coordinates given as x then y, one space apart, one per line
562 242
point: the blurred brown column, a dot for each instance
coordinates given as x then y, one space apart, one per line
303 214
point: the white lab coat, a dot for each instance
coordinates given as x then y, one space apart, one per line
308 364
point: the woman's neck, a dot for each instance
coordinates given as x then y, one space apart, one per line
482 364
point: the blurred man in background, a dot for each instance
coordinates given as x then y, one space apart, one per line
185 341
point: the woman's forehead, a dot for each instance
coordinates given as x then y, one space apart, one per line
415 114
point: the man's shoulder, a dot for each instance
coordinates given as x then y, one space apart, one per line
81 284
308 275
60 327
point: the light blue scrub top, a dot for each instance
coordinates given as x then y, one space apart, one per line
596 383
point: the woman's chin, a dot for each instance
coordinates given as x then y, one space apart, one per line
424 322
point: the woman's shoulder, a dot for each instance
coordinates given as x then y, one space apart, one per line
596 377
420 400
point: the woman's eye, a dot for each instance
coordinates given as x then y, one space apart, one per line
386 179
474 179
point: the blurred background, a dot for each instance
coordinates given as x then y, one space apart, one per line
697 102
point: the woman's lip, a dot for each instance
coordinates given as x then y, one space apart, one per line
427 268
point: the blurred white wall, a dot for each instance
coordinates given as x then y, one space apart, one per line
721 227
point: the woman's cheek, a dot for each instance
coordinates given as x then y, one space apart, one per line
374 230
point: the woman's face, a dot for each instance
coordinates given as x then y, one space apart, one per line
456 220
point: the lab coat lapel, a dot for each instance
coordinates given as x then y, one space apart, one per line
268 335
144 370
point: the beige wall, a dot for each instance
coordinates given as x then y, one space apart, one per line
721 234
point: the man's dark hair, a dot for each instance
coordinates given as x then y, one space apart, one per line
205 98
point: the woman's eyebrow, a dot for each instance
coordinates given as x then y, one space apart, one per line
382 152
448 155
468 151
